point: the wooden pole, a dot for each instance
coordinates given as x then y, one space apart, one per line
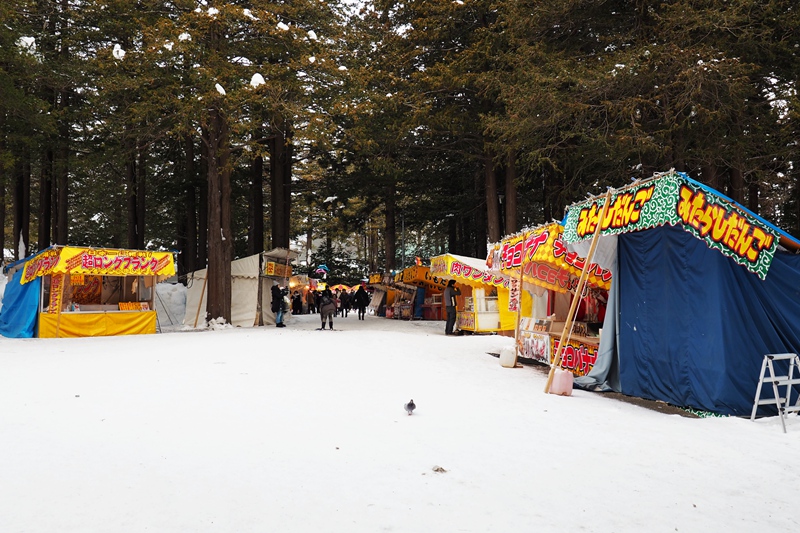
61 303
200 303
578 290
519 303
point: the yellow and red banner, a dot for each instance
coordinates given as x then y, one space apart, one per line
278 270
467 270
544 259
99 262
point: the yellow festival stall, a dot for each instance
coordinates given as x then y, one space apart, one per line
420 292
548 272
383 295
87 292
483 306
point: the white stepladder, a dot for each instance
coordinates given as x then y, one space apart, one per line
783 403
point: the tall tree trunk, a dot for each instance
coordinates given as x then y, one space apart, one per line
45 199
62 180
477 237
203 205
255 235
16 209
219 243
280 163
390 234
737 185
511 194
711 176
190 263
492 203
130 192
2 190
22 204
141 194
752 197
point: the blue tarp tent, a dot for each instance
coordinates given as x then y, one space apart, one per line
690 326
20 306
694 326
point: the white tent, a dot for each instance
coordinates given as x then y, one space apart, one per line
244 294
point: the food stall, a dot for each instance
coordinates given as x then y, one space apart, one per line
483 304
419 289
383 295
549 273
276 268
703 289
87 292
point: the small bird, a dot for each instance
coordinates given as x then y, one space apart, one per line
410 406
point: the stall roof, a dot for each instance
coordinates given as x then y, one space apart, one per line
673 198
281 254
469 270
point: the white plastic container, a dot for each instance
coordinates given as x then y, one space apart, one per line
508 357
562 382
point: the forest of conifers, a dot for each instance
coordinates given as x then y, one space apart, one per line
382 129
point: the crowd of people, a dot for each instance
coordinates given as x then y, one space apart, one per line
327 303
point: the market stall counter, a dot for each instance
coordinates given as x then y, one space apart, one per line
483 306
87 292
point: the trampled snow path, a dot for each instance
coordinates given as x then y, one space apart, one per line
292 429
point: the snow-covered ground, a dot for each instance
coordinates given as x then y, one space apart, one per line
297 430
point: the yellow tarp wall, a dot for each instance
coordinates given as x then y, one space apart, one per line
87 324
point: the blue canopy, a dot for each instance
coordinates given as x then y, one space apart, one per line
20 307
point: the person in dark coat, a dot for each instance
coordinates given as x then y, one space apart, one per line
450 293
277 304
297 303
345 305
311 301
361 301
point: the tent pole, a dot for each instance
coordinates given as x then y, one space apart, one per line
519 303
578 290
200 303
61 303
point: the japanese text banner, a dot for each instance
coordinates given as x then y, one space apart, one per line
677 201
100 262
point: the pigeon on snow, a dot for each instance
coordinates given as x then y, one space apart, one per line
410 406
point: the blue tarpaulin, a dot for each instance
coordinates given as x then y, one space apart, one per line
694 326
20 307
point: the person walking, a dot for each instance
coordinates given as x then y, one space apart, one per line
327 307
361 301
311 301
344 297
297 303
450 293
277 303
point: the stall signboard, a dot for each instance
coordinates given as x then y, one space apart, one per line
545 260
278 270
536 346
462 270
514 295
56 292
466 320
420 276
98 261
578 356
676 200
